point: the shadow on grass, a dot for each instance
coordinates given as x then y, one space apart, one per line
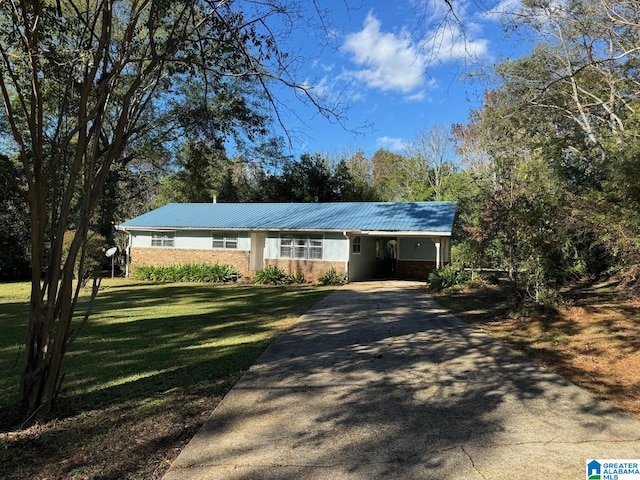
163 352
149 335
383 377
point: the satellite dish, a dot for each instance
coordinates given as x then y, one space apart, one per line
111 252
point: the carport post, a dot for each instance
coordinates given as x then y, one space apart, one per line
437 243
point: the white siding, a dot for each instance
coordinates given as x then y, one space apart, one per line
189 239
193 239
141 239
335 247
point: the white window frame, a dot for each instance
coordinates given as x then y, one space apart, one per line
301 247
286 246
163 239
226 240
356 245
315 248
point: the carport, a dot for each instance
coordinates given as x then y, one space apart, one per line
397 255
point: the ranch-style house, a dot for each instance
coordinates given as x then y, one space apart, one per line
363 240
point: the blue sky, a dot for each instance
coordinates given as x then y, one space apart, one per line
397 67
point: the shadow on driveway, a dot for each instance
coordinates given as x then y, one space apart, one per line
376 381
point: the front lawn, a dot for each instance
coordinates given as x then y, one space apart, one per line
148 369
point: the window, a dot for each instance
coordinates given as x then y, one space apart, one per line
315 248
162 239
356 245
286 247
225 240
301 247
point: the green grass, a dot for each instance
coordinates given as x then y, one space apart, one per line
152 361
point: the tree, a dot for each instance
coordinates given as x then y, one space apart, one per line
584 66
200 172
82 83
352 175
360 169
308 180
580 84
521 219
434 154
14 231
388 177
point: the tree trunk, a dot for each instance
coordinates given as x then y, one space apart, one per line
51 310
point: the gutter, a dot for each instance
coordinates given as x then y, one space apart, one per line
375 233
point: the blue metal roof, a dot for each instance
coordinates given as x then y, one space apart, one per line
350 216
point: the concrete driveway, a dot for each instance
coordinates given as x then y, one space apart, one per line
377 382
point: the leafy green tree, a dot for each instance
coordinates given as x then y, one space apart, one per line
14 230
361 171
521 216
348 188
352 175
82 83
308 180
200 173
388 177
579 89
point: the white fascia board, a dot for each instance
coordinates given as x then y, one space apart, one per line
148 229
227 229
376 233
387 233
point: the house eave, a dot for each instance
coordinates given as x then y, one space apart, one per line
375 233
405 233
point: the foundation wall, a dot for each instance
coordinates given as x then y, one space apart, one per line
239 259
311 269
414 269
156 257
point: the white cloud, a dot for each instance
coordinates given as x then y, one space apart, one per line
502 9
334 90
397 62
322 88
417 97
449 42
388 61
327 67
392 143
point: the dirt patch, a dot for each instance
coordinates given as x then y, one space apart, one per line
593 341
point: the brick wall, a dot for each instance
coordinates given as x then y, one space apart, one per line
311 269
171 256
414 269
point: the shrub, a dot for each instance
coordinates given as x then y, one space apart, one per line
298 277
142 273
273 275
332 277
224 273
191 272
446 277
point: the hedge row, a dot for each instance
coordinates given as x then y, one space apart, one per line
222 273
193 272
